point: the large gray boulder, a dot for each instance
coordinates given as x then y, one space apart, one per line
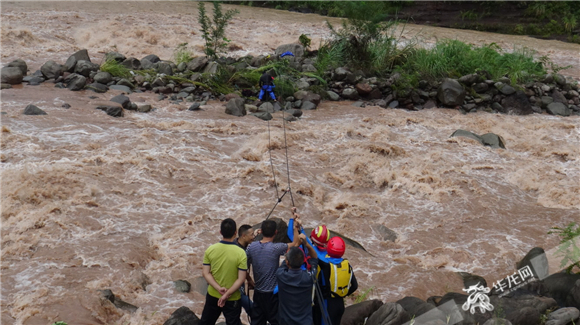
152 58
332 95
357 314
112 110
236 107
488 139
12 75
312 97
18 63
85 68
51 70
418 309
563 316
33 110
266 116
451 93
517 104
307 105
560 80
197 64
350 93
115 56
564 288
75 82
296 49
340 74
470 79
211 68
294 112
389 314
266 107
537 260
123 100
504 88
97 87
558 109
71 62
103 77
182 316
164 67
132 63
559 97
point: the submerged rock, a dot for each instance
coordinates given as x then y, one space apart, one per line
33 110
488 139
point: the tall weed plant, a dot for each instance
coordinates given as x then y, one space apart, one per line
214 30
366 40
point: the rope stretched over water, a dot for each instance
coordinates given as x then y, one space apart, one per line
271 163
289 190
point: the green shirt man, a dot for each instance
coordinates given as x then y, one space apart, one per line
224 268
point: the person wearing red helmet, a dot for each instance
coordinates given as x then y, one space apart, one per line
336 279
319 237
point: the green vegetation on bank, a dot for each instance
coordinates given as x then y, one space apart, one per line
116 69
453 59
568 250
369 43
547 19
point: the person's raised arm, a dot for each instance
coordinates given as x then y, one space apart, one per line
311 252
210 279
233 288
297 225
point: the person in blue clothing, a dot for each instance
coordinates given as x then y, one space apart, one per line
267 85
319 237
336 280
295 286
264 256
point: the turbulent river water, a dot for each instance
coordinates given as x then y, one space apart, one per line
91 202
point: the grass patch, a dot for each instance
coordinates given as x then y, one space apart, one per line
182 54
116 69
454 59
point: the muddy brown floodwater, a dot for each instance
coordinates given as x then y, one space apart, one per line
91 202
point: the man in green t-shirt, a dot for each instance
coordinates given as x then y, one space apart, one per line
224 269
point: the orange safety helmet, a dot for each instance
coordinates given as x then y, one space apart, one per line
320 236
336 247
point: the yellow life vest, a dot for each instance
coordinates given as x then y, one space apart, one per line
340 277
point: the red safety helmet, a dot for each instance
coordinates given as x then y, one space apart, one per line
320 236
335 247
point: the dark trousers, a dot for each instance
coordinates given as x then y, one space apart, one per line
334 308
265 308
211 311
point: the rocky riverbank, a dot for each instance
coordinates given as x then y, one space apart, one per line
196 82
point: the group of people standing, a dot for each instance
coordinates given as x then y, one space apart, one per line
283 293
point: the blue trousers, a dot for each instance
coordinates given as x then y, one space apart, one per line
269 89
246 302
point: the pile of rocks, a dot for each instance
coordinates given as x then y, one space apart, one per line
183 82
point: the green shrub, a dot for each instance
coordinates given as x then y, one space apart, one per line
568 250
182 54
305 41
366 40
213 31
116 69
